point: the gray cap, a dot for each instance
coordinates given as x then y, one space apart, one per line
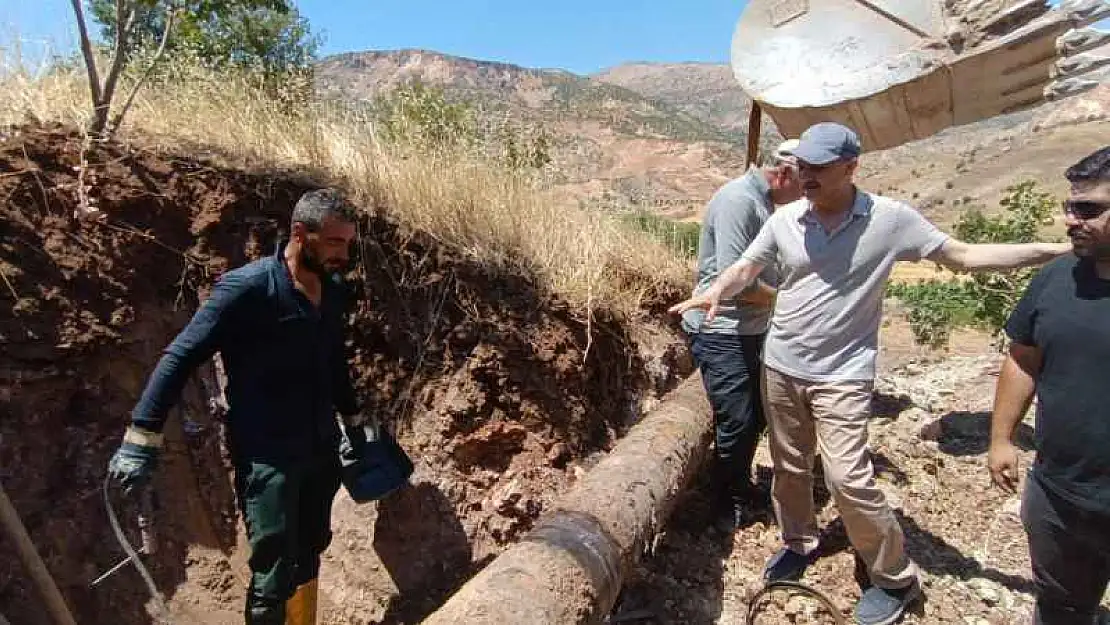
826 142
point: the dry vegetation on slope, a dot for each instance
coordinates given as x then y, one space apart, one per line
497 217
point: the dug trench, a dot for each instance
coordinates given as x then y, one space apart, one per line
502 394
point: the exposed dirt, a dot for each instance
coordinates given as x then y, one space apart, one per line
499 392
929 440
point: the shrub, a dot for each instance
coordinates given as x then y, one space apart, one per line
984 299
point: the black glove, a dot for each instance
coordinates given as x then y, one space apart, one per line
134 463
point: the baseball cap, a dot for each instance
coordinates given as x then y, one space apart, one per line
785 150
826 142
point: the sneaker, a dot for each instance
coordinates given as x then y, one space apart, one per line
787 564
882 606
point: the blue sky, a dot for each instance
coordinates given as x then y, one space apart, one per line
579 35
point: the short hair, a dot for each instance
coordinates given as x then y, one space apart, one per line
317 205
1094 167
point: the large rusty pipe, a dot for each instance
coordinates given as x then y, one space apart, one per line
570 567
32 562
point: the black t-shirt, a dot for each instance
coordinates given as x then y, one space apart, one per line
1066 312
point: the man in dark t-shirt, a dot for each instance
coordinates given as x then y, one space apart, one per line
1060 332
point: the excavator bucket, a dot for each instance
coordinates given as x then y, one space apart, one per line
901 70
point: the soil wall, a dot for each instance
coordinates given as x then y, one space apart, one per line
486 380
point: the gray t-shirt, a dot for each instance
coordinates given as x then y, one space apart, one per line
732 219
825 325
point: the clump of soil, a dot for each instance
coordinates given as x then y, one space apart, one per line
501 393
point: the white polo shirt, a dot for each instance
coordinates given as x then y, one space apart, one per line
825 326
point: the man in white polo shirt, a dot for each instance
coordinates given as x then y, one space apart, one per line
835 248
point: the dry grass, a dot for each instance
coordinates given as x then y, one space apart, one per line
506 219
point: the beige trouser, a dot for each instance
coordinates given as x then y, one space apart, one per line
803 416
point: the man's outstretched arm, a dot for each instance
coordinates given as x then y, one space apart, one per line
961 256
731 282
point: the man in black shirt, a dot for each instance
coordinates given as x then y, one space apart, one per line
278 326
1060 332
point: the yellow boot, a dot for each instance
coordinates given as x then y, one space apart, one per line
301 607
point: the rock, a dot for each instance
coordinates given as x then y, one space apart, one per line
795 606
985 590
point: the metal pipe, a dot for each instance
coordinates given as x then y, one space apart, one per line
32 562
570 568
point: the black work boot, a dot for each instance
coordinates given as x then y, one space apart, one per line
746 502
737 497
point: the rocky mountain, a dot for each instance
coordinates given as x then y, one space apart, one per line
664 137
661 137
545 94
708 91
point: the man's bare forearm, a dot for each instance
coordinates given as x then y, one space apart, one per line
1014 394
1003 256
737 277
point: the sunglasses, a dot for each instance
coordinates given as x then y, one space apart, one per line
1085 209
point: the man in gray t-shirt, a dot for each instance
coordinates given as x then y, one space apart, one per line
727 348
834 250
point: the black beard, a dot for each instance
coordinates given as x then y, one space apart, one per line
309 262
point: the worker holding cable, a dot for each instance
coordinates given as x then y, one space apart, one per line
278 326
835 248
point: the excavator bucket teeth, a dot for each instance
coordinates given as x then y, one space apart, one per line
902 70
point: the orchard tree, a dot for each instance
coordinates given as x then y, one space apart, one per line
265 34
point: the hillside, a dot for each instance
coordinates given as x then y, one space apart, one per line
621 138
665 136
706 91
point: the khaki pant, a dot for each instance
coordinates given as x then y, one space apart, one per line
804 416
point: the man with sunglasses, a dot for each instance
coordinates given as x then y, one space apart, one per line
835 248
1060 333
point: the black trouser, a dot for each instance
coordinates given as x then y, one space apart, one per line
287 509
730 370
1070 550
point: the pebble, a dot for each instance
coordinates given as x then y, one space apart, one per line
985 590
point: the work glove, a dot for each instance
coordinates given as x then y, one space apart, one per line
134 463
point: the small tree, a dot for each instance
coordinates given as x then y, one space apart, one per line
422 115
126 16
265 35
984 299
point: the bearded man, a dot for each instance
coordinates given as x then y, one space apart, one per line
1060 338
278 326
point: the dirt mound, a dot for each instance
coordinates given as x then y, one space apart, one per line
500 392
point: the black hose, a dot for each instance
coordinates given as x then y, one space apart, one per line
163 609
753 606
